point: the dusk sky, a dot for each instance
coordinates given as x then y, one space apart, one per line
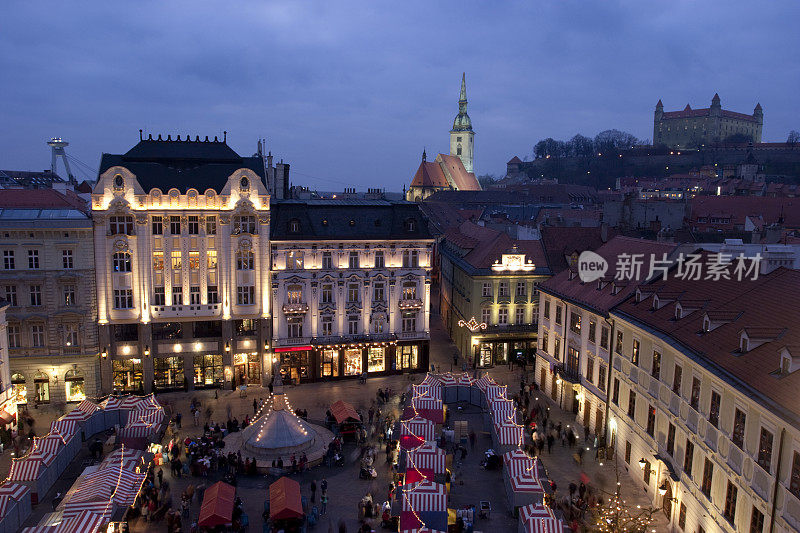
349 93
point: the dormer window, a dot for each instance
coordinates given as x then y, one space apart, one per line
294 226
786 365
744 343
411 225
678 312
706 325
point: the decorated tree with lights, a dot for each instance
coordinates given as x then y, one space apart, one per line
616 515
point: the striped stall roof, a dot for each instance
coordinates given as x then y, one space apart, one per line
153 417
27 469
137 430
544 525
419 427
448 380
101 507
496 392
49 444
119 485
508 434
523 472
5 503
65 428
15 491
125 458
535 510
427 457
84 522
424 496
87 407
140 402
112 402
77 415
465 380
483 382
503 410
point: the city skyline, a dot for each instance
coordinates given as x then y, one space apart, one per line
352 99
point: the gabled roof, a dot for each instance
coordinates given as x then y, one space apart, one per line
740 207
454 169
514 160
429 174
479 247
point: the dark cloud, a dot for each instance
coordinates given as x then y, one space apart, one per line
350 92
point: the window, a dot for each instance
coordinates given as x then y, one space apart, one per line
409 290
601 377
36 294
194 260
327 260
71 335
618 347
14 340
211 225
794 479
487 290
123 298
590 369
647 471
376 359
547 309
213 294
615 392
677 376
158 261
635 353
502 315
557 349
177 295
713 410
158 225
294 260
694 400
410 258
69 295
519 317
558 314
708 476
8 260
158 296
592 331
246 295
739 420
326 296
411 225
545 340
379 324
176 259
671 439
502 289
380 261
765 449
604 337
575 322
378 292
11 295
33 259
121 262
656 370
520 288
66 260
409 321
175 225
295 324
245 327
352 292
194 295
486 316
688 457
294 294
632 404
244 260
352 325
206 328
730 502
120 225
194 225
327 325
167 330
294 226
628 452
756 521
352 260
682 516
651 421
211 259
37 335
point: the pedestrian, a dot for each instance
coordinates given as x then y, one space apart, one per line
550 440
323 500
197 417
178 418
371 414
455 359
313 490
324 485
581 490
160 475
586 433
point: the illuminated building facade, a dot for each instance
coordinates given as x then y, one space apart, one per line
47 278
350 288
181 231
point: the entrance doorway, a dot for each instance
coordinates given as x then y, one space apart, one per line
576 403
666 504
598 421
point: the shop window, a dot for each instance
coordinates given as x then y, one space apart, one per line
353 362
19 391
168 372
407 357
329 363
208 370
42 384
376 359
75 385
206 328
166 331
294 366
245 327
127 374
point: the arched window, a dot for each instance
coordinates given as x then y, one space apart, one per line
121 262
42 383
75 385
119 183
19 391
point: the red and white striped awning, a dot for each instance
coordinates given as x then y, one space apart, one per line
140 402
427 389
28 468
153 417
84 522
15 491
49 444
106 485
483 382
465 380
427 457
424 496
87 407
65 428
418 427
508 434
544 525
448 380
126 458
100 507
523 473
503 410
535 510
112 402
494 392
77 415
426 402
137 430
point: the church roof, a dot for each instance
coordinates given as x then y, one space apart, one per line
429 175
462 121
454 169
515 160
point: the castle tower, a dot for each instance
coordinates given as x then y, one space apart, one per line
656 120
462 136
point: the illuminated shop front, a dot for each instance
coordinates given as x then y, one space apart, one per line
208 371
127 374
376 359
498 352
329 363
407 357
353 361
168 373
19 391
75 385
247 368
295 363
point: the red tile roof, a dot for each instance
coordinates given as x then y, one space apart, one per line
765 307
588 294
463 180
560 242
429 175
40 199
739 207
482 246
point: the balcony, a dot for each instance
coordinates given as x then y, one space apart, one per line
350 339
512 328
411 335
410 303
293 341
568 374
295 308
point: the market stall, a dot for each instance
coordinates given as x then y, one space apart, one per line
95 419
423 504
217 507
346 419
502 410
478 391
428 407
464 388
427 457
507 436
538 518
35 472
521 479
15 506
450 387
285 504
111 412
416 431
69 433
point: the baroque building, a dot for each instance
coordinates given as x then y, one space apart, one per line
693 128
47 278
350 288
181 231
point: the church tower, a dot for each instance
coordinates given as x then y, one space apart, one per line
462 136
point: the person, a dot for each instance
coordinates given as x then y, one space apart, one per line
313 490
255 406
160 475
323 500
197 417
178 418
324 485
